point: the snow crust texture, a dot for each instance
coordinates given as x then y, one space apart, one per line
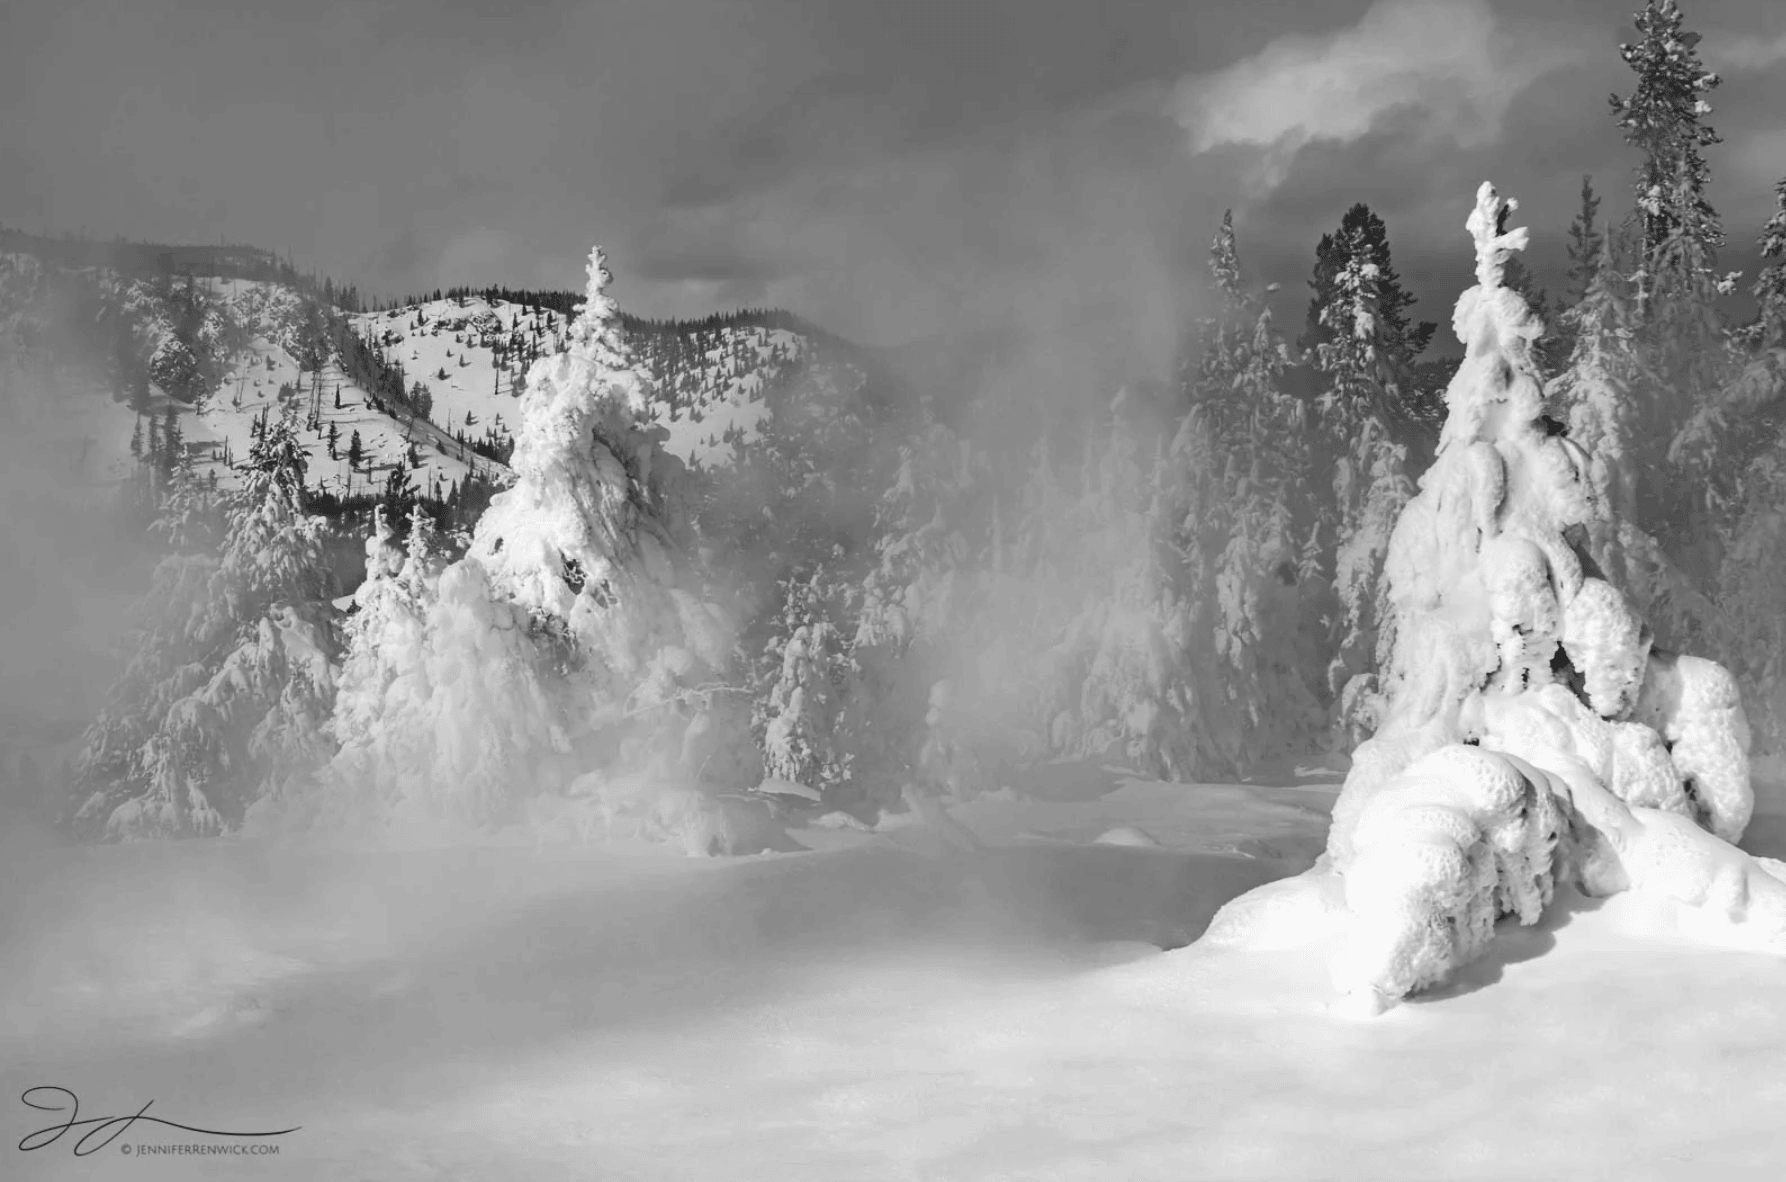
1533 736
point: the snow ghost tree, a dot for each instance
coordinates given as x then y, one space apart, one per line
573 637
1533 736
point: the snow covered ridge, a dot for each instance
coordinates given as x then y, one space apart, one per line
1532 737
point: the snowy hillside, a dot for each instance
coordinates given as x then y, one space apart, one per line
709 386
254 327
221 427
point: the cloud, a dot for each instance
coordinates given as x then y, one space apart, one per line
1443 68
1736 52
1760 157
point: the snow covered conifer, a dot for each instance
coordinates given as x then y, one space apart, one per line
802 715
1247 500
1587 242
229 693
383 636
1533 734
1663 118
1740 436
1597 388
573 637
1370 484
423 553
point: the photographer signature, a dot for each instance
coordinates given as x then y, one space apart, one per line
53 1099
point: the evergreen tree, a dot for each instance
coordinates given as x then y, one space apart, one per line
1596 390
572 639
172 446
399 493
1586 240
1741 442
1252 513
1535 739
1662 118
800 716
1361 243
1363 368
384 641
1769 330
228 693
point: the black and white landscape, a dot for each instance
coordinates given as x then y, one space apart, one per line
745 589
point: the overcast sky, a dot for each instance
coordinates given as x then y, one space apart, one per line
885 167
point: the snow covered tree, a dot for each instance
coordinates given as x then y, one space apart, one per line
1598 388
227 698
383 636
811 673
1725 433
1684 341
1133 640
1741 442
1770 285
1663 118
1363 372
1533 735
917 596
1242 497
1586 244
1362 240
573 641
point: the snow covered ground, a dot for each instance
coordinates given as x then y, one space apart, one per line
896 1005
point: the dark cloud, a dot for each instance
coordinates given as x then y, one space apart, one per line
887 168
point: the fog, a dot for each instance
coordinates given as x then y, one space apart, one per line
72 568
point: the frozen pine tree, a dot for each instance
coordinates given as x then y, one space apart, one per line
227 699
1370 484
1587 240
424 553
1410 411
1596 389
1684 342
573 641
1236 482
1663 117
1742 435
801 716
383 638
1533 735
917 596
